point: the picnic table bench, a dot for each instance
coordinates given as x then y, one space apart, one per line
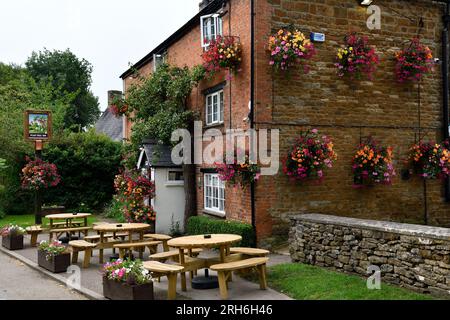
59 232
158 269
124 247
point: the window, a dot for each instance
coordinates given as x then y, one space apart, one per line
158 60
214 108
211 27
175 176
214 194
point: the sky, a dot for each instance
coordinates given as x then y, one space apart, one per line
108 33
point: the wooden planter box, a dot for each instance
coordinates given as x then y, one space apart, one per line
57 264
13 242
114 290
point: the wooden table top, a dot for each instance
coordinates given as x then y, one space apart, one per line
200 241
114 227
64 216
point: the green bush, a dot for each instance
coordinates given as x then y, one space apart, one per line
87 163
114 211
204 225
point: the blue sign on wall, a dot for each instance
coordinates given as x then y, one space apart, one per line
317 37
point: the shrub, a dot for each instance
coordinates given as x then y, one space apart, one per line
87 163
204 225
114 210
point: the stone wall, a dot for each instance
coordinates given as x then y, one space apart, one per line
412 256
348 111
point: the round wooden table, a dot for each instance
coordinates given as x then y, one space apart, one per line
221 241
131 228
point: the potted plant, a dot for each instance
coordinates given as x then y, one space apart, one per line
53 256
242 172
372 164
289 47
12 237
430 160
224 52
127 280
413 62
310 155
356 57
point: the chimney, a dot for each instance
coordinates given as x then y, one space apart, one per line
204 3
113 94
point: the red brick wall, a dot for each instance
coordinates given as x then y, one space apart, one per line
187 52
388 111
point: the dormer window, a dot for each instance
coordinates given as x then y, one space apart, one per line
158 60
211 27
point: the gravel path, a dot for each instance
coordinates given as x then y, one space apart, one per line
20 282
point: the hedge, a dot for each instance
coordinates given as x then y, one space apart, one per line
204 225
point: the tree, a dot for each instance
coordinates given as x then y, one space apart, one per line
159 106
70 75
20 92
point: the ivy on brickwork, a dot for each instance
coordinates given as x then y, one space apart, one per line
158 104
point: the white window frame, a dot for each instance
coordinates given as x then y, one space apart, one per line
214 110
216 23
174 182
158 60
214 194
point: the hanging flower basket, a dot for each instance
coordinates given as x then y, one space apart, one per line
309 157
37 175
225 52
356 58
289 48
413 62
119 107
238 172
430 160
372 164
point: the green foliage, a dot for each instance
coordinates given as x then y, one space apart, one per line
175 229
69 75
159 103
204 225
87 163
114 210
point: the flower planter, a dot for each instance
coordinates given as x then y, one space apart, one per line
57 264
13 242
114 290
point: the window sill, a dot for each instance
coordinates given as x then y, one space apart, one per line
214 125
174 184
214 213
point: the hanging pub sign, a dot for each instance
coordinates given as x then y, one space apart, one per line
38 125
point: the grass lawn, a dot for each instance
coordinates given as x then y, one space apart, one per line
28 220
305 282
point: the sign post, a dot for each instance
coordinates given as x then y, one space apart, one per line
38 129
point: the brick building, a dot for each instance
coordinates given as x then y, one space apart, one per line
345 110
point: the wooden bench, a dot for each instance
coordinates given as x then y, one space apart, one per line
172 255
81 245
158 269
224 271
160 237
34 231
251 252
58 232
124 247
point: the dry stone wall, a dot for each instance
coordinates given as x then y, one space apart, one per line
412 256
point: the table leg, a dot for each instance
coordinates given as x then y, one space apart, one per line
100 253
141 250
183 274
222 250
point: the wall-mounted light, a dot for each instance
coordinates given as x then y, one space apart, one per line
365 2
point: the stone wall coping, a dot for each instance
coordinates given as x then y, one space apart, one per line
384 226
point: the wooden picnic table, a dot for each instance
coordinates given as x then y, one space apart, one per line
69 223
131 228
68 218
221 241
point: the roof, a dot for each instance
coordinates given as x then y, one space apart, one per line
210 8
110 125
159 156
